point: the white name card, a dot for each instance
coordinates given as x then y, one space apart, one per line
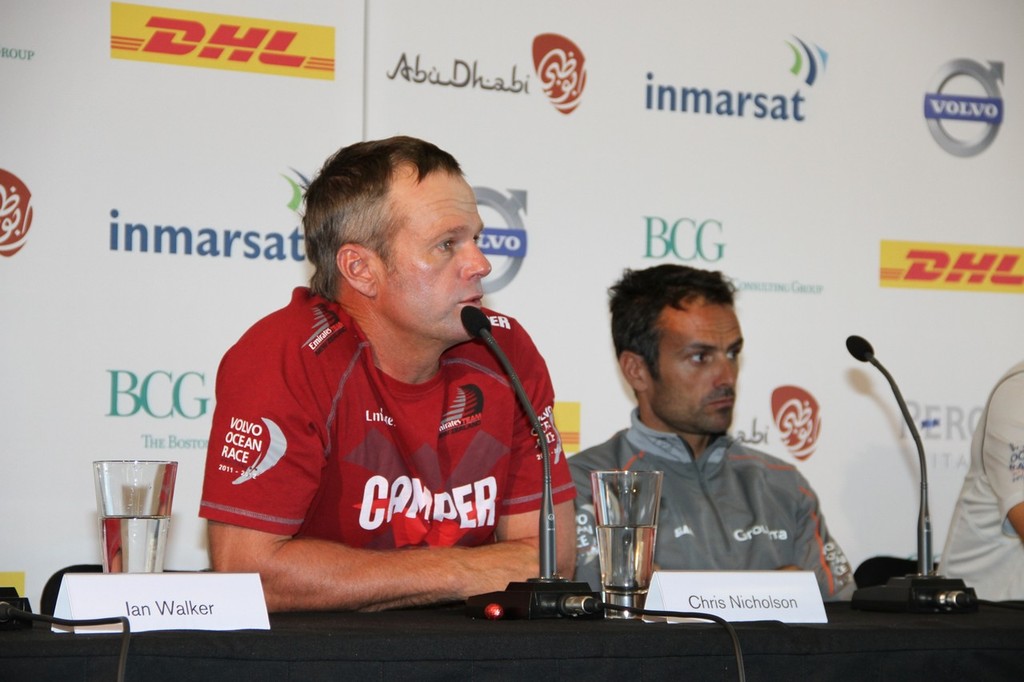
787 596
163 601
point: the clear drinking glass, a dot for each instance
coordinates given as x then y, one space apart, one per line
626 510
133 500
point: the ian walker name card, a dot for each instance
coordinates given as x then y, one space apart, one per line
163 601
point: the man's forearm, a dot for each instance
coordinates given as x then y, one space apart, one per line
313 574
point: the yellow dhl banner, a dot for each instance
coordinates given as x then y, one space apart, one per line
963 267
221 41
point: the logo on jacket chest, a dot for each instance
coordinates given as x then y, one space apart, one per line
465 410
747 534
378 416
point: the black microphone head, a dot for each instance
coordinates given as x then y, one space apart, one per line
474 320
860 348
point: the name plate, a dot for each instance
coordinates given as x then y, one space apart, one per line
163 601
787 596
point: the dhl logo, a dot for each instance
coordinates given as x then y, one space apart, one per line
219 41
567 420
952 266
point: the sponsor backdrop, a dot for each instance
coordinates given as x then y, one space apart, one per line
856 168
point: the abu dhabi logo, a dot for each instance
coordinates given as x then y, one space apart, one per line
561 67
961 121
798 419
462 74
15 213
503 240
806 61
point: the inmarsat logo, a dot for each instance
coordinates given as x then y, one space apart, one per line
504 246
965 124
15 213
562 70
298 189
816 61
798 419
742 102
212 242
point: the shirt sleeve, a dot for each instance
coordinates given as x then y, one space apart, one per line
588 566
265 454
1003 447
818 551
526 469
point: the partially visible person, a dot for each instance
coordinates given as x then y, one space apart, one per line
724 506
985 545
365 453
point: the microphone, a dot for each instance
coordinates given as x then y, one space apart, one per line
548 596
926 591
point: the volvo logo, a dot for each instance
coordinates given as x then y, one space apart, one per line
985 114
503 240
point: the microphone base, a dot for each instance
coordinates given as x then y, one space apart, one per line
9 595
538 598
917 594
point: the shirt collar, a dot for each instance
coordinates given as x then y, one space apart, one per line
671 445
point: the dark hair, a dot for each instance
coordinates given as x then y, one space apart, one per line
347 202
638 298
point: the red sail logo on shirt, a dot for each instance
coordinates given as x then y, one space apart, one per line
254 446
466 410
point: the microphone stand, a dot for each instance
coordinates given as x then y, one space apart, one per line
925 592
548 596
925 558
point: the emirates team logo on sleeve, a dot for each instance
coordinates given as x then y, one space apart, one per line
15 213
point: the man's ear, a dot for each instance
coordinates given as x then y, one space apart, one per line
634 369
356 265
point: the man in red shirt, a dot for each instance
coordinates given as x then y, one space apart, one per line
365 453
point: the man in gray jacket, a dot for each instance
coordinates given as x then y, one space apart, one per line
724 506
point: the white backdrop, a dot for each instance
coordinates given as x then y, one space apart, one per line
798 210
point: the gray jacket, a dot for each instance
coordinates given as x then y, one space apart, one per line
735 508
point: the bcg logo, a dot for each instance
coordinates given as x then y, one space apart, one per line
505 243
961 267
159 394
944 109
15 213
220 41
686 239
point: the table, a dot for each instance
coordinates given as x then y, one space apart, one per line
443 644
